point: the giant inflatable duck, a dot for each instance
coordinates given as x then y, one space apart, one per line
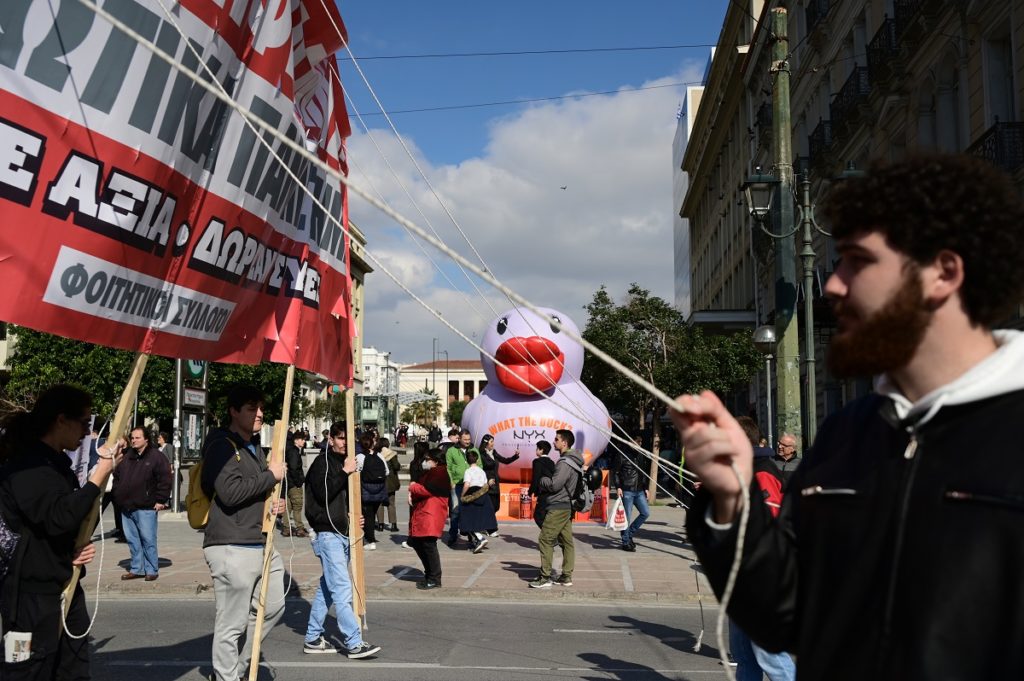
534 353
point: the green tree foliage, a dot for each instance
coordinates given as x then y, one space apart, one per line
455 410
651 337
425 411
40 360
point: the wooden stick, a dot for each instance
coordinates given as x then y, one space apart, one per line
278 443
117 428
355 511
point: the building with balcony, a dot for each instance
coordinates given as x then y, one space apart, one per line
869 80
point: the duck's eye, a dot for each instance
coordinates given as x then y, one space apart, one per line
554 329
502 326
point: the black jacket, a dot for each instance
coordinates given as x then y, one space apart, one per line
293 462
238 482
41 498
142 480
625 468
890 562
327 492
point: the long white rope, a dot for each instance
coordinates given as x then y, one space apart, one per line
408 194
96 602
734 570
251 120
626 440
217 91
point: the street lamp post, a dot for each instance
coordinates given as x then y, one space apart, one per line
433 368
447 394
759 191
764 340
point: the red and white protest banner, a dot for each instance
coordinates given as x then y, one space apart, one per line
138 211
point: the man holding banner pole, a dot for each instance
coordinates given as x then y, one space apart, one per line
237 479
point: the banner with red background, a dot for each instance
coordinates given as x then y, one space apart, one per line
138 211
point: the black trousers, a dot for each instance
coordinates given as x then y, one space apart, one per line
426 549
55 657
108 498
369 520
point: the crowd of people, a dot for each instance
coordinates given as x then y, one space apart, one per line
882 552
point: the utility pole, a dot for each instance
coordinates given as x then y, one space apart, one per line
807 257
788 353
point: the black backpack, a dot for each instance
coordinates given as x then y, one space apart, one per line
374 469
582 496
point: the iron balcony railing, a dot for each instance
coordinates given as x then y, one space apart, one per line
818 143
1001 145
850 96
883 50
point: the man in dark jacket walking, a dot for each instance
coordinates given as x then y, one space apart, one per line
328 516
631 488
296 479
897 551
142 488
238 479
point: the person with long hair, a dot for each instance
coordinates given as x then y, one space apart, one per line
392 484
490 461
40 499
428 497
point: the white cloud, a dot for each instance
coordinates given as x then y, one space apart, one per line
611 225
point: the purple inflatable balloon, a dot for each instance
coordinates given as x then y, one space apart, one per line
534 354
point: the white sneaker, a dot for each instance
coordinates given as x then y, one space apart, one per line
480 545
371 546
405 545
493 533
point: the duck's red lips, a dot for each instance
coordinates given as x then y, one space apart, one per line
529 363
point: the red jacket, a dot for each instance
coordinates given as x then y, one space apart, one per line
429 503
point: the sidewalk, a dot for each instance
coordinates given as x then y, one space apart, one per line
661 570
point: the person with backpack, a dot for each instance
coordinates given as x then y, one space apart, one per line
565 484
236 479
41 500
373 486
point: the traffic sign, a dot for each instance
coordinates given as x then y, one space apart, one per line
195 368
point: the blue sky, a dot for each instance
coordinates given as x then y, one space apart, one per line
500 169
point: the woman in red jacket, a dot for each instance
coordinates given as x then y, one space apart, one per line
429 501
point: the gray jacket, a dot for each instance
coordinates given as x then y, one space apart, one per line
562 484
238 482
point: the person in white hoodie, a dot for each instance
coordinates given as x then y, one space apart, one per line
899 549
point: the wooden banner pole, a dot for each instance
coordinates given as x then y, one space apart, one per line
278 443
355 512
117 429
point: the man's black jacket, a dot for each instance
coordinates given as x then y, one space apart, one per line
142 480
625 468
326 495
890 559
293 462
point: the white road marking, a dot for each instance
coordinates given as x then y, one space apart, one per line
397 576
627 576
479 571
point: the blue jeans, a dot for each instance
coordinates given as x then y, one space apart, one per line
629 498
751 659
335 587
454 510
140 533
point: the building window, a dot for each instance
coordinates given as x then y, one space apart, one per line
999 79
453 391
467 390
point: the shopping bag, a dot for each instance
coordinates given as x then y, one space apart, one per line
617 518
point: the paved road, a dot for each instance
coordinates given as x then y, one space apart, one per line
169 638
